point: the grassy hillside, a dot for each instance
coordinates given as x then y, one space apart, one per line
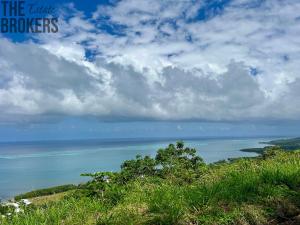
178 188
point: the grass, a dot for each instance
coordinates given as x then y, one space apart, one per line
41 200
66 211
262 190
46 191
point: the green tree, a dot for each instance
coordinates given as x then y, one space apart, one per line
99 182
138 167
178 161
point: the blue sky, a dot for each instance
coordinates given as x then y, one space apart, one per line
154 68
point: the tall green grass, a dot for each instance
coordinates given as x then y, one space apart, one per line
67 211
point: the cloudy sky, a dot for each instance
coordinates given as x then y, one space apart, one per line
155 68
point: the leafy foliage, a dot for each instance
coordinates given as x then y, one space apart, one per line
138 167
173 157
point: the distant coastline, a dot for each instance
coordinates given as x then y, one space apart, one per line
287 144
53 163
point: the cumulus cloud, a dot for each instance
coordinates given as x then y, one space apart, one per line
140 59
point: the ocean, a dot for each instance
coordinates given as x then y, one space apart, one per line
26 166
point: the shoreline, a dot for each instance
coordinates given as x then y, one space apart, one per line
258 151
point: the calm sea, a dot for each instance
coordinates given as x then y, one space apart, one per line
31 165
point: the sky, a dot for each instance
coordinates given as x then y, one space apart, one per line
144 68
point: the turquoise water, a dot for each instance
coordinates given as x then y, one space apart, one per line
33 165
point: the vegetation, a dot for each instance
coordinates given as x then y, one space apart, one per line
177 187
46 191
254 150
40 200
285 144
5 209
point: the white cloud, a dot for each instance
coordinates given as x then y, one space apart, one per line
164 64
